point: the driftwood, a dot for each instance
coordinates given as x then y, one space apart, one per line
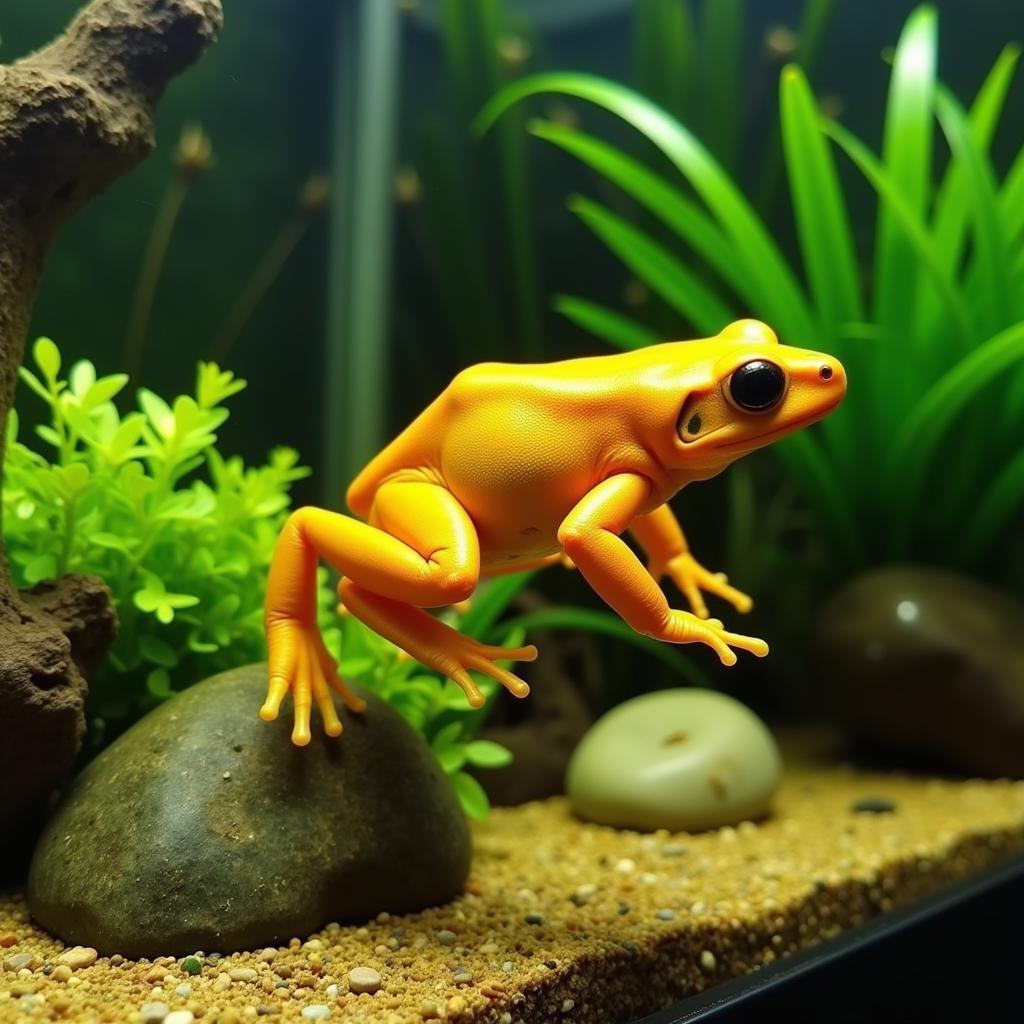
74 117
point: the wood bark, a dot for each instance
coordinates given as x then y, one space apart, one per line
74 117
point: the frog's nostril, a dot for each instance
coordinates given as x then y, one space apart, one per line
825 373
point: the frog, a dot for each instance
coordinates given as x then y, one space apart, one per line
516 467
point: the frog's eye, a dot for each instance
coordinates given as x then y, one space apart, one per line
757 386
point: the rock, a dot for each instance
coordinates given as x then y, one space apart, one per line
48 647
682 760
363 979
925 664
78 956
153 851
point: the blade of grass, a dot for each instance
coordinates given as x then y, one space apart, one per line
780 298
656 266
665 53
616 329
931 419
514 178
993 512
596 621
825 238
826 241
721 46
652 191
906 157
953 199
910 224
990 249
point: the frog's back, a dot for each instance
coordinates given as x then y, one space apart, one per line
504 428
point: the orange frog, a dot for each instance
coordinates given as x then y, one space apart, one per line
517 466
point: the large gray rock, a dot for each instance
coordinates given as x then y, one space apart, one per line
928 664
203 827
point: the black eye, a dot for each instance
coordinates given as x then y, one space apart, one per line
757 386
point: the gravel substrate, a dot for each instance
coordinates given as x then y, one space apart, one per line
564 921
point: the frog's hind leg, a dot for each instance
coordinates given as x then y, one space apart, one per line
418 550
435 643
430 520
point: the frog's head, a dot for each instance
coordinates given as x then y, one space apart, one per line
746 390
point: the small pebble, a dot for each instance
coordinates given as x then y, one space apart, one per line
266 1011
314 944
707 960
429 1010
153 1013
666 914
363 979
446 937
568 1005
183 991
332 991
7 940
581 894
222 982
462 976
673 850
268 954
873 805
318 1011
625 866
61 973
489 947
19 961
534 919
243 974
78 956
179 1017
508 967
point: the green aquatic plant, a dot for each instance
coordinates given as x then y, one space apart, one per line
923 459
181 535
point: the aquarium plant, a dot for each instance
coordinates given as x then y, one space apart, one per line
926 446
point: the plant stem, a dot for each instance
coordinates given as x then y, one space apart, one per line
152 264
258 285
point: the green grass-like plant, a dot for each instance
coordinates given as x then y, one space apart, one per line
923 459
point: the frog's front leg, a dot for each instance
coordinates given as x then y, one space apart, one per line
419 549
590 537
668 554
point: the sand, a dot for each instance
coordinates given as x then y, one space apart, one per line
566 921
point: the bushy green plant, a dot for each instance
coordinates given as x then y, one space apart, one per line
182 536
924 458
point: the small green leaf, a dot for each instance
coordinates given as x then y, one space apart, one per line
82 377
158 682
452 758
47 358
472 796
104 390
158 651
487 754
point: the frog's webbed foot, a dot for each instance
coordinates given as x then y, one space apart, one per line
435 644
299 662
691 578
686 628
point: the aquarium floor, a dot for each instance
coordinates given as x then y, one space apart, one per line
565 921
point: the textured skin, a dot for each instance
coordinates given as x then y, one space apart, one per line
516 466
